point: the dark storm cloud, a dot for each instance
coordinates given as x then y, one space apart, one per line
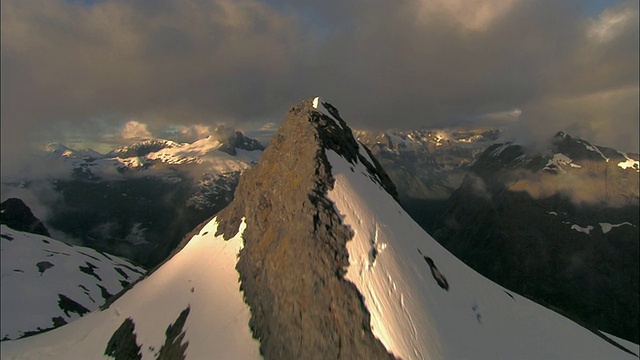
67 66
385 64
416 65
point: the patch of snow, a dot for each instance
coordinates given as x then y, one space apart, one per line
186 153
29 291
442 310
318 104
202 276
586 230
500 149
593 148
558 160
629 163
634 348
606 227
364 153
132 162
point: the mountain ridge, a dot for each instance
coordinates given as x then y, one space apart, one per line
279 215
18 216
565 219
315 258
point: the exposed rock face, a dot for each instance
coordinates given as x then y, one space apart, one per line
18 216
561 228
123 344
293 263
239 141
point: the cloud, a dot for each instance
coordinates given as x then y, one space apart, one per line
71 69
603 118
592 187
67 66
135 131
186 133
477 16
612 23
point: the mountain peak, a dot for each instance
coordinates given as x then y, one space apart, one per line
329 266
142 148
18 216
295 235
237 140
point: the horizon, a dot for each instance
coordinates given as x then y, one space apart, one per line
107 72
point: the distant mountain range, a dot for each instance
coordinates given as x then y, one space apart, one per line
315 258
138 201
560 226
427 166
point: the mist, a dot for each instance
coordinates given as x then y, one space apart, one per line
82 71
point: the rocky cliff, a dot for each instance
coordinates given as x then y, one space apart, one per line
293 263
18 216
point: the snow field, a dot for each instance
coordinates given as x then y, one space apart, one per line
202 277
414 317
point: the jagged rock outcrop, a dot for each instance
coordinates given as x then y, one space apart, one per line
293 262
239 141
18 216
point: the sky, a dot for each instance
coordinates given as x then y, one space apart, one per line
105 72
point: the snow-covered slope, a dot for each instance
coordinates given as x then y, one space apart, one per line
47 283
426 304
330 267
196 293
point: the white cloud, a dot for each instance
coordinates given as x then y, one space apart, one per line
135 130
477 15
612 23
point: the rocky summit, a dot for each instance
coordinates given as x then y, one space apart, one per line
293 263
315 259
17 215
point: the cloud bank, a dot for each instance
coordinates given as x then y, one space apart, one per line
75 69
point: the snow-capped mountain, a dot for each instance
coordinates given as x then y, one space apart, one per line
142 148
431 162
138 201
231 153
329 265
47 283
58 149
559 226
427 165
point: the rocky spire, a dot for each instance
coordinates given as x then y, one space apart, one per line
294 259
18 216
